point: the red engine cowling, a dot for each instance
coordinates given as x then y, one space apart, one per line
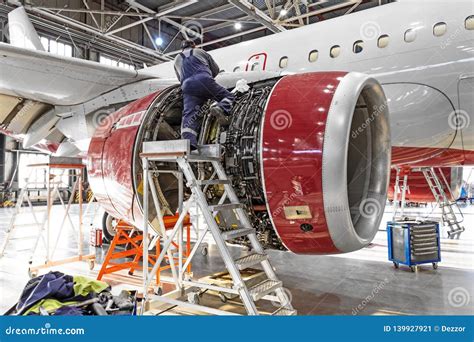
314 154
418 190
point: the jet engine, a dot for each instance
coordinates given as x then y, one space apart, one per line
309 155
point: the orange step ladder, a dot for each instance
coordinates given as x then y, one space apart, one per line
132 242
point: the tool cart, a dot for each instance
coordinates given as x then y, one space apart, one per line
413 243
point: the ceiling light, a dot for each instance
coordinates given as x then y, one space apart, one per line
159 41
283 12
238 26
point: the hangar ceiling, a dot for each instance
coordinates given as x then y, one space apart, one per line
151 31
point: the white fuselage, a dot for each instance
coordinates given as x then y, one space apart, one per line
429 81
422 52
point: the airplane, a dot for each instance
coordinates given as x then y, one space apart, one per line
330 108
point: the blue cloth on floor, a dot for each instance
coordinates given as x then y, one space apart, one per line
52 284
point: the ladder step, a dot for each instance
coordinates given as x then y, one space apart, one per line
236 233
265 287
213 182
452 223
457 231
229 206
284 312
250 260
196 158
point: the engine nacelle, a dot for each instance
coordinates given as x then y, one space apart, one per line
308 154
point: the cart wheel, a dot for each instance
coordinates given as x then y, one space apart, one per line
413 268
435 265
222 297
204 251
396 265
159 291
32 274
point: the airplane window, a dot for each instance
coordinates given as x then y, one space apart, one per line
383 41
335 51
313 56
236 69
410 35
469 23
358 46
283 62
440 29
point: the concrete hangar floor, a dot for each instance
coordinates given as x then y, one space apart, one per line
358 283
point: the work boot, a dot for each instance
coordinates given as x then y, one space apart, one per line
220 116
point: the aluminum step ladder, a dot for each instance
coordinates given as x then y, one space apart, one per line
445 200
178 151
400 188
40 217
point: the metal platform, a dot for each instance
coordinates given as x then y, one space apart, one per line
179 152
41 225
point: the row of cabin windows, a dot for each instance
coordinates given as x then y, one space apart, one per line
439 30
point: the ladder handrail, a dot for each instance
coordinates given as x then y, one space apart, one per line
437 188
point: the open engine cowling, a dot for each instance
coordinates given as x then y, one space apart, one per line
308 154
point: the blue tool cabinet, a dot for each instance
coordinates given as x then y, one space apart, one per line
413 243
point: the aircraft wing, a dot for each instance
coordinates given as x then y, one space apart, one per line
55 80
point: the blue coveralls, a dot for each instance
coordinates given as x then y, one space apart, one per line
198 86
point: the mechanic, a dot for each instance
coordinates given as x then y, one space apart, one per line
196 71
